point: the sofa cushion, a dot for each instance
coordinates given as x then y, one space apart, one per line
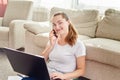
110 25
41 39
37 27
84 20
17 10
83 37
104 50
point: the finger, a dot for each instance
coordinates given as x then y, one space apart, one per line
50 33
56 77
53 75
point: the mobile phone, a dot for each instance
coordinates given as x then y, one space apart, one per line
55 33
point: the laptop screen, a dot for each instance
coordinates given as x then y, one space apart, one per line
27 64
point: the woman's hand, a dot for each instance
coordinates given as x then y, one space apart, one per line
50 46
56 75
52 38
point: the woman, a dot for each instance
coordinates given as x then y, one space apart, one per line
66 54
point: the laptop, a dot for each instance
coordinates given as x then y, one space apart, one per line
32 66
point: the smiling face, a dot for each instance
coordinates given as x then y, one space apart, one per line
60 25
64 28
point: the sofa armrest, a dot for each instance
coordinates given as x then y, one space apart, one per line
37 27
1 18
17 33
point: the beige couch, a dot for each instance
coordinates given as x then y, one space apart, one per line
11 25
101 37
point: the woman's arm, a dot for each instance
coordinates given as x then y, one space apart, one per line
46 52
49 46
80 69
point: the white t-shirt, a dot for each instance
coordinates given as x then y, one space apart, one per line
63 58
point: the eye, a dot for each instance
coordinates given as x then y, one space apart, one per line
60 23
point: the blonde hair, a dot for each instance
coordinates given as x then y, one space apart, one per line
72 36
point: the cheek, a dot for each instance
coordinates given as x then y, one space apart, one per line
64 29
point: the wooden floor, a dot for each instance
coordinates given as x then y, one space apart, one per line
5 67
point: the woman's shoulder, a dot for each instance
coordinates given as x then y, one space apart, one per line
78 42
80 48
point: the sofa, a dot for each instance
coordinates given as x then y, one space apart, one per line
100 35
10 29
